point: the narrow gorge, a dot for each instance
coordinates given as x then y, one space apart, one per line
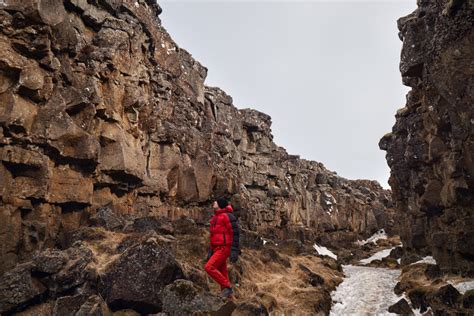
113 149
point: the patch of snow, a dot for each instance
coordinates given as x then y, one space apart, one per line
463 286
137 4
264 241
323 251
365 291
417 312
381 234
428 259
399 261
377 256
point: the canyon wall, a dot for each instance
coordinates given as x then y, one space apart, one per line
431 148
100 109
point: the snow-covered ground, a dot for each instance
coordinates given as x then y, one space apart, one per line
377 256
369 290
323 251
381 234
428 259
365 291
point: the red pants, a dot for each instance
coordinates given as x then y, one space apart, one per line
216 267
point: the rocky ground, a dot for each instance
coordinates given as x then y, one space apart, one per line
431 292
119 266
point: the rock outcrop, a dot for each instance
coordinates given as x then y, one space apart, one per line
425 290
102 113
125 284
431 147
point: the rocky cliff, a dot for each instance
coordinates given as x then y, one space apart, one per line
112 149
431 148
101 109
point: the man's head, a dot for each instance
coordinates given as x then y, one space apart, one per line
221 203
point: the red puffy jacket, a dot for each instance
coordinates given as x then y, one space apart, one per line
224 229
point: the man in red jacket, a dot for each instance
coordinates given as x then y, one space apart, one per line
224 243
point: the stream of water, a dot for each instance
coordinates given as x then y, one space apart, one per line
369 290
365 291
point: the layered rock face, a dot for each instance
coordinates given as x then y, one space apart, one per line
100 108
431 148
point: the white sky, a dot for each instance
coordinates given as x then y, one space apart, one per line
325 71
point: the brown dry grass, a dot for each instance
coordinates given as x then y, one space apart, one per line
104 249
288 286
283 290
413 276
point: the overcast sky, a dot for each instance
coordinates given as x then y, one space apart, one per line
326 71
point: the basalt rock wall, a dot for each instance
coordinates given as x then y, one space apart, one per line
431 148
101 109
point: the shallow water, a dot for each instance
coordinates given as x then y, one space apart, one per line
365 291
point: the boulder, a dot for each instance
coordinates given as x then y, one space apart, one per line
108 218
418 299
69 305
49 261
81 305
95 306
396 253
401 308
446 295
183 297
18 289
409 258
137 278
71 274
151 223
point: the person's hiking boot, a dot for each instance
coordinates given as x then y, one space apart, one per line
227 293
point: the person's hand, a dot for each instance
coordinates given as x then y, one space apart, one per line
234 255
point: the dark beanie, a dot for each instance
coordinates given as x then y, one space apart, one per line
222 202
